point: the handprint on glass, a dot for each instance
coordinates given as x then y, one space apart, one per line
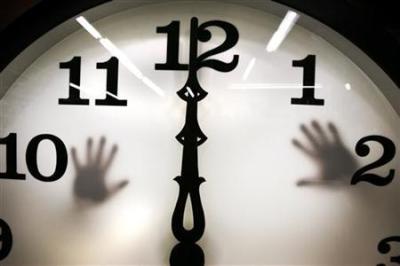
335 161
90 180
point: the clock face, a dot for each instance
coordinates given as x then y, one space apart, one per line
295 140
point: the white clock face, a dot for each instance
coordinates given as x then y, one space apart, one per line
278 171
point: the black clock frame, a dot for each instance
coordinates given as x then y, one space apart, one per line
373 27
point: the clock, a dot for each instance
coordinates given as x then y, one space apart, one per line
196 133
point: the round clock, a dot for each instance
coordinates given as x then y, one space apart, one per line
197 133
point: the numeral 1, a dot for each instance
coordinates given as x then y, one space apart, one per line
111 98
74 97
172 31
112 83
308 98
6 240
11 156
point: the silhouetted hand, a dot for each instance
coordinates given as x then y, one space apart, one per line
90 183
335 161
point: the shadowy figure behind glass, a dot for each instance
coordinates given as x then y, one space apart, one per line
90 180
335 161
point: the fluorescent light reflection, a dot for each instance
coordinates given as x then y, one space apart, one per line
112 49
347 86
87 91
283 30
92 92
248 69
122 57
88 27
270 86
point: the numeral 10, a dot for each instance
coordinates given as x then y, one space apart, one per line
31 158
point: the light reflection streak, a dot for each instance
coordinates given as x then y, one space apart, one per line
248 69
270 86
283 30
91 92
122 57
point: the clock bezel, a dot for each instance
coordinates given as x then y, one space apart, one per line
373 38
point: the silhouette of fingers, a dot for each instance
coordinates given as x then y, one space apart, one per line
318 182
321 133
75 160
89 152
100 151
305 182
117 187
110 158
301 147
335 133
311 138
90 177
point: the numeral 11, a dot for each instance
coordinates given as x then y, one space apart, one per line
74 97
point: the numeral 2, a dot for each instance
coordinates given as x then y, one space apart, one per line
74 97
362 149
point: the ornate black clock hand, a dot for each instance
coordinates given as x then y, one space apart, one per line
191 136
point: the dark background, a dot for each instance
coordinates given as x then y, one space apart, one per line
372 25
11 9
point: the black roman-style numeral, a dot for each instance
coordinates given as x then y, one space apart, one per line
31 158
308 97
74 97
112 83
363 174
384 247
6 240
172 63
11 158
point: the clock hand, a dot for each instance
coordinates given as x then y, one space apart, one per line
189 182
335 161
190 137
89 183
187 254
